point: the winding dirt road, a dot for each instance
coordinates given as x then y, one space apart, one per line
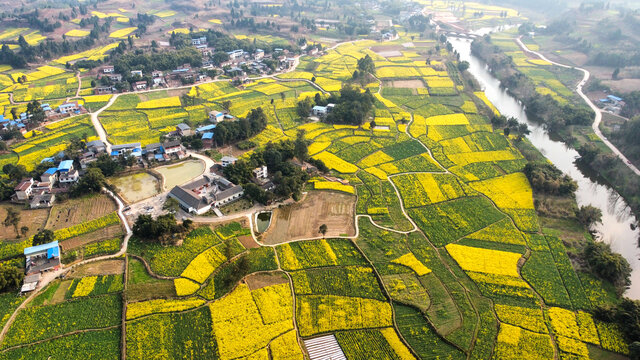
598 117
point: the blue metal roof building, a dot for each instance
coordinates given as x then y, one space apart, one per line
53 246
207 136
614 98
65 165
205 128
51 171
47 160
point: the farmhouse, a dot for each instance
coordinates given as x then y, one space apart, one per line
199 41
45 200
216 116
319 110
108 69
100 90
204 129
199 196
69 107
207 140
50 176
174 147
24 189
136 73
184 130
115 77
228 160
124 149
140 85
42 258
261 173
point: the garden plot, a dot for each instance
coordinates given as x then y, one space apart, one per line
76 211
33 219
406 84
302 220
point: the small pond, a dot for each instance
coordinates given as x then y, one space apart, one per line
136 187
263 220
180 173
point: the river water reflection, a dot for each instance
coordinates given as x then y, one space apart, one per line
616 216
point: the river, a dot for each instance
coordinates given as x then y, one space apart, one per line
616 216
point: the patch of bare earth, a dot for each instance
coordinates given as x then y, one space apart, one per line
302 220
407 84
106 267
33 219
76 211
258 281
248 242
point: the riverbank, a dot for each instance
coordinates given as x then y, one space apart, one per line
616 215
572 124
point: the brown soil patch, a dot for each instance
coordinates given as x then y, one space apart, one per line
76 211
106 233
248 242
33 219
624 85
407 84
258 281
106 267
382 48
302 220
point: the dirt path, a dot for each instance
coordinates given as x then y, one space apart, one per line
598 117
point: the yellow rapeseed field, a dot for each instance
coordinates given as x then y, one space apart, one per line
485 260
173 101
409 260
507 192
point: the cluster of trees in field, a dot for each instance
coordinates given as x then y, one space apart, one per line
232 131
288 178
548 179
162 229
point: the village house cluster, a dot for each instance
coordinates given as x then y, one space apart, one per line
238 67
41 193
23 122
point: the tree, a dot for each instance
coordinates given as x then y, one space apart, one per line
323 229
608 265
304 107
24 230
10 278
634 350
171 204
463 66
226 104
366 65
589 215
301 149
12 219
43 237
615 74
92 182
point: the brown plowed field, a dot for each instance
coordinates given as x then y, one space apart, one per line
76 211
302 220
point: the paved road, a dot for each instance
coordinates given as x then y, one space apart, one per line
598 117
